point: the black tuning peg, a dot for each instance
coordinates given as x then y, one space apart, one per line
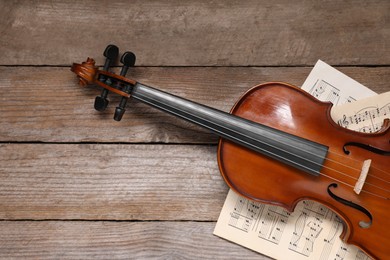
101 102
111 53
128 60
121 109
119 112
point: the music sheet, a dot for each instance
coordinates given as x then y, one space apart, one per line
328 84
312 231
366 116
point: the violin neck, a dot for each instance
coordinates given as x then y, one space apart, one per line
286 148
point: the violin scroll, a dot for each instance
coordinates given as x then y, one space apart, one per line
86 71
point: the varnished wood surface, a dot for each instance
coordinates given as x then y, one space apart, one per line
74 184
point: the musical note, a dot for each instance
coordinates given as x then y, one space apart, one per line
311 232
328 84
323 90
366 115
244 214
307 228
332 236
272 223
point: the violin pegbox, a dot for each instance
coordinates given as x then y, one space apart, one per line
88 74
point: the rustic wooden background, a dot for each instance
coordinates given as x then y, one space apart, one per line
76 184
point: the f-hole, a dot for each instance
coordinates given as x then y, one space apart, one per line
366 147
362 224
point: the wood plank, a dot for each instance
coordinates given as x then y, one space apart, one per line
46 104
110 182
189 33
75 196
116 240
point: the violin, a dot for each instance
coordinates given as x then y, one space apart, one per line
279 146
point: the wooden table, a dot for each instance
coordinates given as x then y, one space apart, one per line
76 184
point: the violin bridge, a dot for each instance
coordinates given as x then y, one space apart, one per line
363 175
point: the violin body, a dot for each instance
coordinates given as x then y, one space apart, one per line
265 180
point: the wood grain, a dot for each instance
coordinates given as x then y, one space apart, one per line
116 240
47 105
148 187
197 33
110 182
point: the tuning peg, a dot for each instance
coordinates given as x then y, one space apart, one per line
111 53
128 60
120 110
101 103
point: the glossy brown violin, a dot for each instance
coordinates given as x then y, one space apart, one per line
279 146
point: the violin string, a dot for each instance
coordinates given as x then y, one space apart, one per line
340 172
353 168
351 159
357 161
365 183
323 166
376 168
357 171
371 175
334 170
174 110
349 185
347 175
